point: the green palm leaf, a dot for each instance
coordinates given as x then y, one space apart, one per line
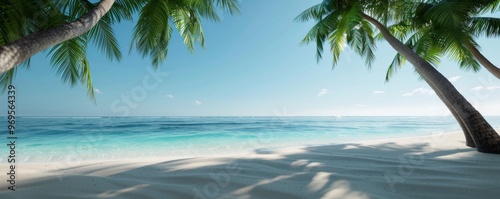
321 30
486 26
68 59
154 27
448 13
340 24
189 26
153 31
230 6
103 36
447 27
7 78
315 12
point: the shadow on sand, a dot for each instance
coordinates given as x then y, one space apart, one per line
384 170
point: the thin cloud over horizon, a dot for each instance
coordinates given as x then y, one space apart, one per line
420 91
323 92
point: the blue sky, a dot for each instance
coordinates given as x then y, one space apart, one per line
252 65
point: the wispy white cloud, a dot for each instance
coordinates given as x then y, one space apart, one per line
378 92
197 102
420 91
489 88
169 96
454 79
359 106
97 91
323 92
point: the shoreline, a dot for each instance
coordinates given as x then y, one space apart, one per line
243 152
437 166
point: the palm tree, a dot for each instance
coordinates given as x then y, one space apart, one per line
69 26
435 28
26 43
448 27
350 22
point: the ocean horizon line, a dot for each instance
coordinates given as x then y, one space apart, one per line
216 116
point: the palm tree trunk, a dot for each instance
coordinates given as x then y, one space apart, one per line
484 136
18 51
483 60
468 139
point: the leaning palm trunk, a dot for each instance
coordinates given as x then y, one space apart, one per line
483 60
484 136
20 50
468 139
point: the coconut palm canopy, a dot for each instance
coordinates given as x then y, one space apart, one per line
351 23
153 30
448 27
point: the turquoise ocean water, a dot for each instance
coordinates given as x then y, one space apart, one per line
53 139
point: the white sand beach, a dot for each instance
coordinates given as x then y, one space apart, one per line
437 166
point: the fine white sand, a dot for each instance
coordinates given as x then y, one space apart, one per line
438 166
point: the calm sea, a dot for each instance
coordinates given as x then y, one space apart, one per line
44 139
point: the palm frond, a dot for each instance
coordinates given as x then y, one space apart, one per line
230 6
315 12
486 26
102 34
396 64
448 13
340 24
13 21
7 78
189 26
152 31
206 10
346 25
338 43
421 42
321 31
380 10
123 10
361 40
399 30
487 6
68 59
86 79
453 42
130 6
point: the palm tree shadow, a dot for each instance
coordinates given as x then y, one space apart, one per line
351 170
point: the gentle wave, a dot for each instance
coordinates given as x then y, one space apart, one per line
89 138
